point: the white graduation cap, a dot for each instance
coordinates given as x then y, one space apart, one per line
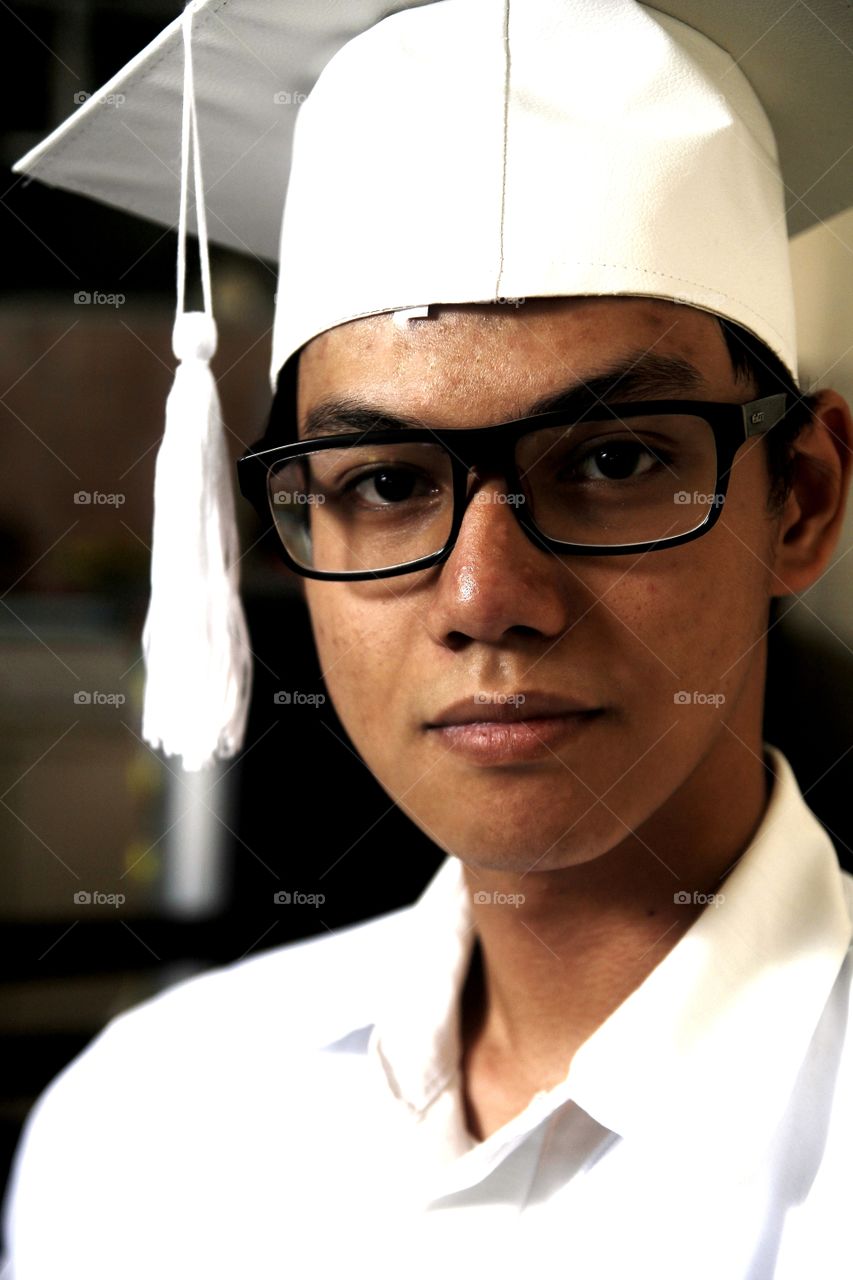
450 151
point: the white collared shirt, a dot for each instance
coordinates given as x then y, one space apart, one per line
299 1114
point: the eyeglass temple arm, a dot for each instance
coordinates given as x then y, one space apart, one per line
761 415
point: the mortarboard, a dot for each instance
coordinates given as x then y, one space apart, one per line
448 151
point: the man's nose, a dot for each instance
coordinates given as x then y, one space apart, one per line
495 578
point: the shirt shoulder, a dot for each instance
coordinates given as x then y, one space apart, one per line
207 1036
217 1072
307 992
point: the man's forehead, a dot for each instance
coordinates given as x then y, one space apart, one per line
651 346
528 331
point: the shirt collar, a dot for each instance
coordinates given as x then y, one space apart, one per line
714 1035
416 1034
717 1032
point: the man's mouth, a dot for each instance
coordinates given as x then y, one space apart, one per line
512 727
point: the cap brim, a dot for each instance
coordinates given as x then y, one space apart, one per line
122 145
254 61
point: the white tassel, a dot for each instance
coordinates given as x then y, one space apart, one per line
195 640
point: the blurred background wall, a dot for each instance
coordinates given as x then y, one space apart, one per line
88 814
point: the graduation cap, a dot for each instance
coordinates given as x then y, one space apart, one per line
448 151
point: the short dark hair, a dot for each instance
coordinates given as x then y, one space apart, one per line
753 360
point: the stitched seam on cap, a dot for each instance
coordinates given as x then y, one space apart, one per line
619 266
665 275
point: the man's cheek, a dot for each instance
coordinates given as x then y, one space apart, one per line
679 649
357 675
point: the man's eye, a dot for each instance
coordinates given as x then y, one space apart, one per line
388 486
615 460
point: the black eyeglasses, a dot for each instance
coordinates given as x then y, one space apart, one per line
612 480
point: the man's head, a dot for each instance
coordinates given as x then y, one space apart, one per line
463 153
625 635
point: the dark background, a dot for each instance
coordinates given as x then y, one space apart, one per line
85 804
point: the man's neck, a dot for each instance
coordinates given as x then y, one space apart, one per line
546 973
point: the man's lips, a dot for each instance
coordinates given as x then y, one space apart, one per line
512 728
509 707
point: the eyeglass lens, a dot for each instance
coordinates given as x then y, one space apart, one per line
609 483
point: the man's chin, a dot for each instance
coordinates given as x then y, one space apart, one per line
517 845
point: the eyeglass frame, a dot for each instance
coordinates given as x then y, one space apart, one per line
733 425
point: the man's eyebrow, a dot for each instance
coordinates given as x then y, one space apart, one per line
645 376
348 414
640 376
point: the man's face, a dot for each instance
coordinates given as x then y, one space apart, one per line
624 634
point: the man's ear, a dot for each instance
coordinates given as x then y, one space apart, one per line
811 520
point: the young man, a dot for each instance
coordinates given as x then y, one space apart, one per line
586 793
540 527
